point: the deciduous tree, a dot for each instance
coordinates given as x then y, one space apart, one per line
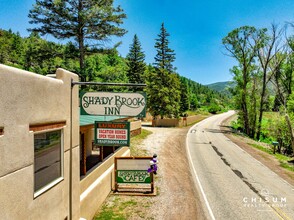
243 44
266 56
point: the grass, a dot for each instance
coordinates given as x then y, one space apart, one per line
198 112
267 122
280 157
262 148
200 118
284 162
116 210
136 141
119 209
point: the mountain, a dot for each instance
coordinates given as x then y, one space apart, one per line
221 86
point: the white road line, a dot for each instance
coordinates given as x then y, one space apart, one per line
198 181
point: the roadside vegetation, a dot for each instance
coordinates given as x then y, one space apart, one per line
264 81
274 129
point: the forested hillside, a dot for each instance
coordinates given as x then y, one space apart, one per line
102 65
221 86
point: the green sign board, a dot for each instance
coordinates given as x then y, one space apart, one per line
133 176
113 104
133 171
112 133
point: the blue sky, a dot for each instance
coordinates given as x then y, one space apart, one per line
196 28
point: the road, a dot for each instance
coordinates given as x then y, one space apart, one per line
232 184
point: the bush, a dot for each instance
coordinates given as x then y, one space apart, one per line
214 108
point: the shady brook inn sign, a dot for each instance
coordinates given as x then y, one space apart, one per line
113 104
128 169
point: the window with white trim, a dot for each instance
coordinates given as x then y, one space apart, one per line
48 159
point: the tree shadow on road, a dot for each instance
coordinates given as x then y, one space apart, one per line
223 129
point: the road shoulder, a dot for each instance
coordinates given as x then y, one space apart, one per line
266 159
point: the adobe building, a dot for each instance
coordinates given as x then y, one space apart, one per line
43 170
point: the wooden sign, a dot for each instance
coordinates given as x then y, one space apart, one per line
133 170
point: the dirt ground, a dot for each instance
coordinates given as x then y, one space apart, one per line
176 196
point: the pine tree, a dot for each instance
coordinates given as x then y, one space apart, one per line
165 56
163 85
83 21
185 102
135 62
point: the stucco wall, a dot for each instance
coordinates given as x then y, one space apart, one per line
181 122
167 122
96 186
135 125
28 99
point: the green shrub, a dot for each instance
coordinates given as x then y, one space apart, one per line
214 108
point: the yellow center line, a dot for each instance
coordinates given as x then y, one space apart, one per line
280 213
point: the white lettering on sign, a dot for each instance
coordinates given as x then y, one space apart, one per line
114 134
134 176
120 104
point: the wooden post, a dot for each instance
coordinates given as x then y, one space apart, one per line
152 182
84 155
101 154
115 175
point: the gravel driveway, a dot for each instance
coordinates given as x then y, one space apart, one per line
176 196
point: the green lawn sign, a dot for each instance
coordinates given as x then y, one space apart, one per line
133 171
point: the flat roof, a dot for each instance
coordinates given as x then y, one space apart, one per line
90 119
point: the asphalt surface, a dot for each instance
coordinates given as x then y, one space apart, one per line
232 184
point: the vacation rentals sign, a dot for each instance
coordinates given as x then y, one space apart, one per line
114 104
112 133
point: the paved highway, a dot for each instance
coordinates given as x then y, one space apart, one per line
232 184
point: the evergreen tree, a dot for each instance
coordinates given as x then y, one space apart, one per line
163 85
135 62
185 102
17 49
5 46
82 21
163 100
165 56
